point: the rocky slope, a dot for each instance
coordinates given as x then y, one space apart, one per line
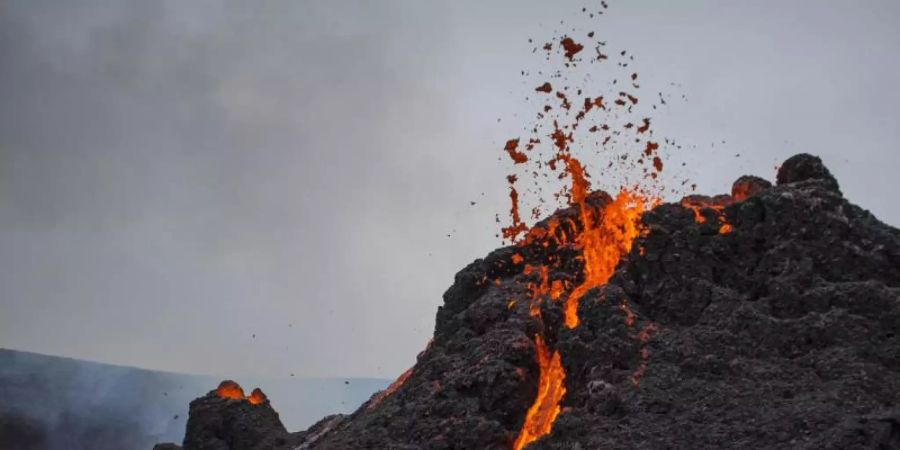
779 330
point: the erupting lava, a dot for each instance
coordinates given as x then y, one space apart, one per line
602 233
257 397
604 243
232 391
605 235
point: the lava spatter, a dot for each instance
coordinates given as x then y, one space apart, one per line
517 227
511 147
587 135
603 244
571 47
257 397
232 391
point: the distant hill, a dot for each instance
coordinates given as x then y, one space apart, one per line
61 403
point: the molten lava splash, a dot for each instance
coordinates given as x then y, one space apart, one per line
604 243
604 237
572 120
230 390
233 391
517 156
551 389
517 227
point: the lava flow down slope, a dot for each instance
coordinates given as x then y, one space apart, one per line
779 332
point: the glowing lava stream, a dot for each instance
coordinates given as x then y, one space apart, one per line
551 388
603 242
605 233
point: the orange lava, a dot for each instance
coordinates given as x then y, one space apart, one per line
616 129
697 206
604 243
257 397
604 237
517 227
230 390
643 337
571 47
233 391
551 389
740 192
511 147
379 397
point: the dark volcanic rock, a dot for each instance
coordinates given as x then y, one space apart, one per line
167 446
217 423
806 167
783 332
748 186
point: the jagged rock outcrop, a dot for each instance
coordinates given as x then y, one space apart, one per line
220 423
780 331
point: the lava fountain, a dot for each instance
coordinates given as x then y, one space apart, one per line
622 140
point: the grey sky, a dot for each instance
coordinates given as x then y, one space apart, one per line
176 177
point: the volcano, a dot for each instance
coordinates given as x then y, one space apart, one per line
764 318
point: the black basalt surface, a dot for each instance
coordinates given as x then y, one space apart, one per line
782 333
